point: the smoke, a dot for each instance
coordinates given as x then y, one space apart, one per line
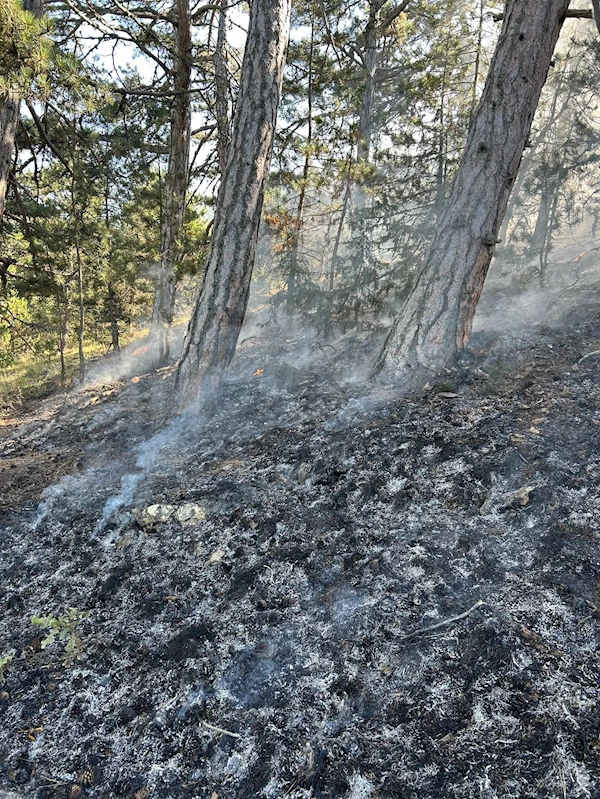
137 358
514 301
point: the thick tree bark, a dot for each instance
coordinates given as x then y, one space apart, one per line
9 120
219 313
437 317
175 185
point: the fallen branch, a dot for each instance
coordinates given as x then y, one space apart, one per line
214 728
589 355
444 623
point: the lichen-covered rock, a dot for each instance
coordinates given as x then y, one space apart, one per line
190 514
149 517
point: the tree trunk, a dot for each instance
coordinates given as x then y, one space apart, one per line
112 314
550 224
9 120
81 326
340 227
554 116
538 240
61 316
222 89
361 233
299 221
176 184
219 313
437 317
477 64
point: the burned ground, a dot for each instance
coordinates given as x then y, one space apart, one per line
273 590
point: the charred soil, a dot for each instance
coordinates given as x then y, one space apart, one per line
324 589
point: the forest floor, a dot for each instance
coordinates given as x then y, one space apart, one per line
326 589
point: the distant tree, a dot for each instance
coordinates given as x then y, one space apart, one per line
219 312
374 112
436 319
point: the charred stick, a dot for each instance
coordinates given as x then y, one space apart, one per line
446 622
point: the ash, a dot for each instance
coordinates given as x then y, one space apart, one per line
327 588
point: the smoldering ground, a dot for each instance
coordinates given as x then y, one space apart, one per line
318 630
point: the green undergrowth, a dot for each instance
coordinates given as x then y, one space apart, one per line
34 378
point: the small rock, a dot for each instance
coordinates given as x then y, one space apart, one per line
149 517
4 696
216 557
190 514
510 501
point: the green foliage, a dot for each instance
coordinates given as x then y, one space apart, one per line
64 629
373 178
5 661
24 48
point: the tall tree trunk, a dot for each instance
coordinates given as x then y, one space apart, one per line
295 253
361 233
81 326
176 184
538 240
546 247
222 89
552 121
112 315
9 120
477 65
340 227
219 313
440 188
437 317
61 316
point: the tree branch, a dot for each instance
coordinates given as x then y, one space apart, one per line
40 128
393 15
576 13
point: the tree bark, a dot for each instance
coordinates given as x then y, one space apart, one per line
435 322
299 221
9 120
222 89
219 313
112 315
81 326
175 185
361 234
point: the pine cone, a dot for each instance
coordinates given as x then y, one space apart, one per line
86 777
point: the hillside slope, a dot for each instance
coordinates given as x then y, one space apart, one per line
326 589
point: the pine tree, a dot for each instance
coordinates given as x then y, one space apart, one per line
436 319
219 313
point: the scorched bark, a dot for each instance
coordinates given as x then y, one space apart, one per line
437 317
217 318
